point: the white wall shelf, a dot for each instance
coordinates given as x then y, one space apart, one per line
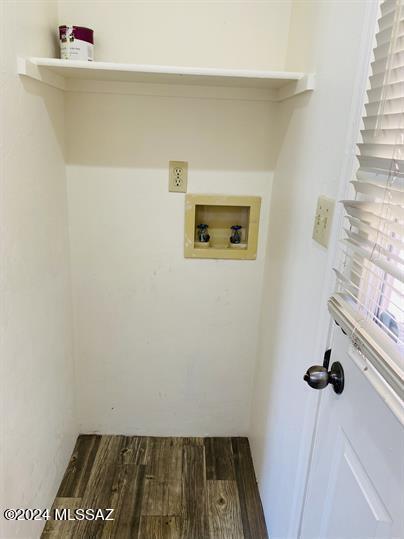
64 74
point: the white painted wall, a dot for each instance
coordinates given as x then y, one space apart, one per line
247 34
38 430
164 345
294 315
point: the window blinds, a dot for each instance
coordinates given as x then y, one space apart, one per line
369 302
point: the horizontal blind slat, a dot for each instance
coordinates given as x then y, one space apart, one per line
377 274
366 310
385 91
394 60
389 212
355 209
354 288
382 179
394 76
380 193
376 250
386 20
381 262
373 232
385 151
377 283
390 106
387 6
388 120
385 35
377 163
380 136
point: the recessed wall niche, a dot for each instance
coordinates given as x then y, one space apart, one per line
219 226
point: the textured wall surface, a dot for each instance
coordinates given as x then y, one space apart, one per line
38 430
165 345
294 320
249 34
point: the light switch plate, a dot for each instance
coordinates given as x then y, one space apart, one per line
178 176
323 220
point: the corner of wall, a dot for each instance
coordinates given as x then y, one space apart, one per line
38 401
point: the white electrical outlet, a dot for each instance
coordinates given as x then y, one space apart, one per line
323 220
178 176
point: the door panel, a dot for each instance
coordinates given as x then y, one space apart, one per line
362 514
356 487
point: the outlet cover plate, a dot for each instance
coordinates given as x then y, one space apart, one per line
323 220
178 176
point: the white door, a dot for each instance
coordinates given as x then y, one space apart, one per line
356 479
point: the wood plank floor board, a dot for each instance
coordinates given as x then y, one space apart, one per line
223 510
155 527
168 488
127 503
165 462
192 440
194 492
78 471
219 459
252 515
135 450
127 488
55 529
104 484
162 498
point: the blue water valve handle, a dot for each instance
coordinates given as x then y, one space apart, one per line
203 233
235 237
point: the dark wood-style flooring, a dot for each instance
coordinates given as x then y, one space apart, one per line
161 488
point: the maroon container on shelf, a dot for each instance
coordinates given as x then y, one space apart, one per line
76 43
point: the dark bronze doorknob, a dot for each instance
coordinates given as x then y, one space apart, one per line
319 377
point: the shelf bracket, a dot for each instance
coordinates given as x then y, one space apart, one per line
28 68
305 84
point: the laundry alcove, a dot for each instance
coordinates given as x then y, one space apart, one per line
141 308
123 333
